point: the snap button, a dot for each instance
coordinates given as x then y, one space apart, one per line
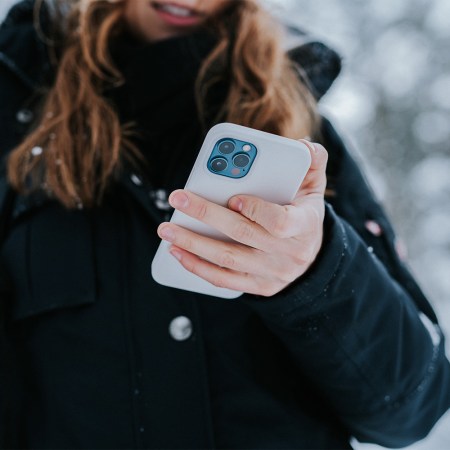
373 228
160 198
136 179
24 116
180 328
36 151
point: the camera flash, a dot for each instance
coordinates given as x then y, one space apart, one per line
246 148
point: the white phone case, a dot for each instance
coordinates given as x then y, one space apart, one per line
277 172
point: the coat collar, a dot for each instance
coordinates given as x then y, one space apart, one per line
318 66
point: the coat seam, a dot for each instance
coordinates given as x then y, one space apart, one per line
128 334
203 364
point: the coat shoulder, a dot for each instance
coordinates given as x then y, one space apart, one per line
23 49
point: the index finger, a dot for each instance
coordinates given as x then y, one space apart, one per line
228 222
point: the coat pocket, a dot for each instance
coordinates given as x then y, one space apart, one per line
50 259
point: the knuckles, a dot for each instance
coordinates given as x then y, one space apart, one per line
304 255
251 209
201 210
288 272
226 259
243 231
185 243
219 282
283 223
302 259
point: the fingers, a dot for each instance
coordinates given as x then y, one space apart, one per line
273 244
223 254
303 215
281 222
224 277
222 219
315 181
235 257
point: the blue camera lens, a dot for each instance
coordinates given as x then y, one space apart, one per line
226 147
241 160
219 164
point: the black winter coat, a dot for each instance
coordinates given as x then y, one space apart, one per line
95 354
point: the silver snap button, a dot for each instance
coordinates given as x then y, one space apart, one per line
136 179
180 328
160 198
24 116
36 151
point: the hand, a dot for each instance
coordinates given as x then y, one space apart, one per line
274 244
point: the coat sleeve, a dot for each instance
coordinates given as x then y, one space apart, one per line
360 328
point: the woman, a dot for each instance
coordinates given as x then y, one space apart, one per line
104 107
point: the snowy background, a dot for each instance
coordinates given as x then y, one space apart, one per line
392 103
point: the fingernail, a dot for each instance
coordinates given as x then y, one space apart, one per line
176 254
179 200
167 234
236 204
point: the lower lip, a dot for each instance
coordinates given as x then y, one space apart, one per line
177 21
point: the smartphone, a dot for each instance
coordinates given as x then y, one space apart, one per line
233 160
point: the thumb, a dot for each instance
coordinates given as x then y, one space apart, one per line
315 181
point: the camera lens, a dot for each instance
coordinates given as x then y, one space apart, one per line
241 160
219 164
226 147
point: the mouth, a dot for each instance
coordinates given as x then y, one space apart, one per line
177 11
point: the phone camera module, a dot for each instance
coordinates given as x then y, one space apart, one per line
226 147
241 160
219 164
231 157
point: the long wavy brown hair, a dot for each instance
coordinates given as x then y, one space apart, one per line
78 144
